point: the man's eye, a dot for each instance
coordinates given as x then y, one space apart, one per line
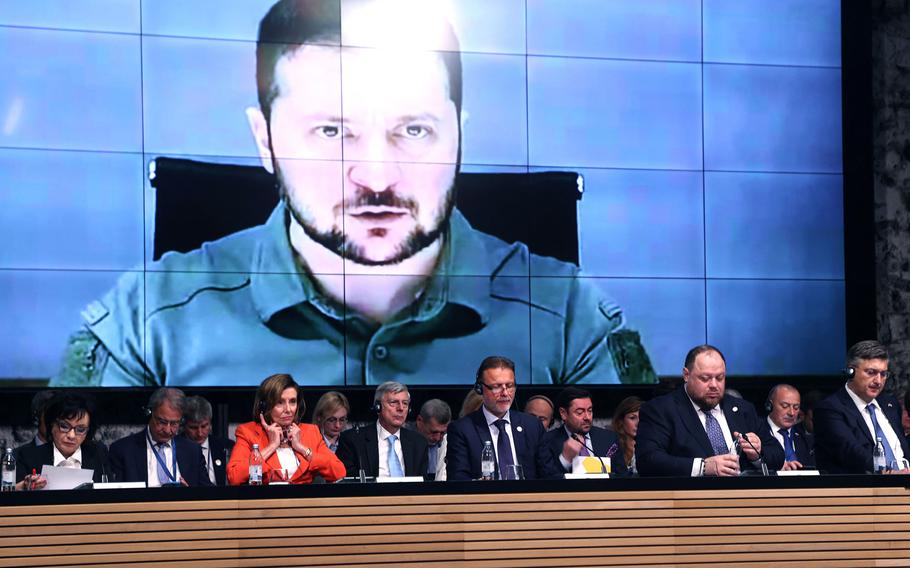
416 131
329 131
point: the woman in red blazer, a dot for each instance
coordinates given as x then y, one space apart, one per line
285 443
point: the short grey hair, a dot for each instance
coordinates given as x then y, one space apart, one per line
391 387
197 409
437 410
172 396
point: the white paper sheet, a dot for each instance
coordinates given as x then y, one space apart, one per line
65 477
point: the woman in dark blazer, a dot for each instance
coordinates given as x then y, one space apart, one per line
70 422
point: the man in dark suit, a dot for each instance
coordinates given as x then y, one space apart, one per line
578 436
386 449
197 428
783 406
691 431
515 435
155 455
848 422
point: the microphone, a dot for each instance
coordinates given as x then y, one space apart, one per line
761 456
362 474
580 440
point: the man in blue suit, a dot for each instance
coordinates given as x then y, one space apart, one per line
577 435
515 435
155 455
691 431
783 406
848 422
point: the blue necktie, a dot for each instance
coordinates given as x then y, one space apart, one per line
789 451
394 465
504 450
879 433
163 477
431 459
715 435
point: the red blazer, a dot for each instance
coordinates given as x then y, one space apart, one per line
322 462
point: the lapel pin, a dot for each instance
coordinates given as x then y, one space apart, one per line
518 429
889 405
735 409
218 463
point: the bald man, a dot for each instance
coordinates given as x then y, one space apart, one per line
783 407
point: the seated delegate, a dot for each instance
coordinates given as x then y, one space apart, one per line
290 450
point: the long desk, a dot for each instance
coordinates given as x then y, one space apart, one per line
835 521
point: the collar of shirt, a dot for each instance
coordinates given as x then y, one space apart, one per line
76 458
586 437
716 412
383 433
154 443
491 418
329 444
464 254
860 404
775 429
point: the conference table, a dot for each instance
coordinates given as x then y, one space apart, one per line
830 521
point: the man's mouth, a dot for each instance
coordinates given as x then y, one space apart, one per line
377 214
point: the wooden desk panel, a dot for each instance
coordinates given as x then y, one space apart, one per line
831 527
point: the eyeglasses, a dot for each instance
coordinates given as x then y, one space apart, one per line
162 423
871 373
499 389
342 421
65 428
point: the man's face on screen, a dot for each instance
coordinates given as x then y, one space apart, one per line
365 143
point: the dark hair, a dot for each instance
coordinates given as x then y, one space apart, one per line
698 350
437 410
494 362
39 403
568 394
290 24
269 394
628 405
864 351
68 405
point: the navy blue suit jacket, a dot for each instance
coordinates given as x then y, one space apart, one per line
465 438
359 447
670 434
127 459
603 442
803 444
843 443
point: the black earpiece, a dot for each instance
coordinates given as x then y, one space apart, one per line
768 406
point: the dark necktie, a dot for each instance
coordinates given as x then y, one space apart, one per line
431 458
503 449
879 433
789 451
715 435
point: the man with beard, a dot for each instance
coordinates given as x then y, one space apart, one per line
365 271
691 431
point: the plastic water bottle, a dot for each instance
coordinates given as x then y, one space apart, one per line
487 461
878 457
255 466
9 471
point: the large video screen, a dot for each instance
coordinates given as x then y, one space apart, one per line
699 142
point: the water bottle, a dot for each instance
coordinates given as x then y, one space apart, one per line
487 461
9 471
255 466
878 457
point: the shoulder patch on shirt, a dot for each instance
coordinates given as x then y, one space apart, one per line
94 312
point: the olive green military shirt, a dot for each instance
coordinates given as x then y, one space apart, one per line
242 308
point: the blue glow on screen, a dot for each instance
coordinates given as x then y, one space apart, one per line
708 134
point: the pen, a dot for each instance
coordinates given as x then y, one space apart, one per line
31 481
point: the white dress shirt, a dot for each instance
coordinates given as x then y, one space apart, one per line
74 461
494 433
775 431
167 454
567 465
890 436
383 435
718 415
209 460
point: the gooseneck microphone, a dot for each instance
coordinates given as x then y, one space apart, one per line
580 440
761 455
361 473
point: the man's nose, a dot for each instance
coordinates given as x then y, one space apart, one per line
375 166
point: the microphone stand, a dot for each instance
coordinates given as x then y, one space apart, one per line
580 440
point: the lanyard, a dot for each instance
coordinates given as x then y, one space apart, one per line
171 476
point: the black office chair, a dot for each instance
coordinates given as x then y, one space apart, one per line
200 201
